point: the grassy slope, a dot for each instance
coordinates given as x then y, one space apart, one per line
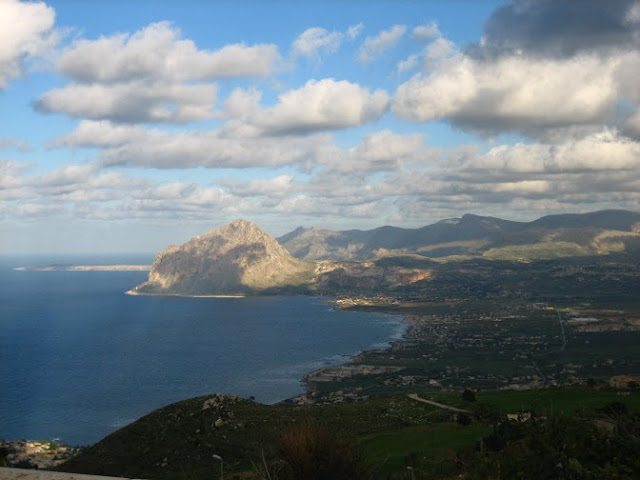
179 441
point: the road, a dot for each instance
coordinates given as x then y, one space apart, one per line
414 396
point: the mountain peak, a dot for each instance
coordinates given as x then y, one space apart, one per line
242 223
236 258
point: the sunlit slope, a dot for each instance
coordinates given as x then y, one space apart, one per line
236 259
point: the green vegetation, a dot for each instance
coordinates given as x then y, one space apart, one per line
378 438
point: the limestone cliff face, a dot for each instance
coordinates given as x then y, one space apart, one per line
235 259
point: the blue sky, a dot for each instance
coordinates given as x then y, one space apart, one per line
126 126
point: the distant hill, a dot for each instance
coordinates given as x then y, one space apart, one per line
240 258
236 259
548 237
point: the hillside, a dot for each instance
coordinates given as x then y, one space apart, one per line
386 432
546 238
238 258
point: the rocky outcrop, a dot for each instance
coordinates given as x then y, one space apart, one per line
238 258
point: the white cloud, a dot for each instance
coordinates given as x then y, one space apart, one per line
150 76
134 146
355 30
315 39
102 133
10 175
279 186
135 101
374 46
11 142
408 64
377 152
25 32
426 32
604 151
432 55
157 52
66 175
243 101
322 104
515 92
438 50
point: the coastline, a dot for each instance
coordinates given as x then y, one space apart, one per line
348 365
352 368
86 268
184 295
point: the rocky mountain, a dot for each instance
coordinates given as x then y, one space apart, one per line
238 258
472 235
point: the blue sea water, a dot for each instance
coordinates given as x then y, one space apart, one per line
80 359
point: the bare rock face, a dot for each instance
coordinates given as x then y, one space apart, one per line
238 258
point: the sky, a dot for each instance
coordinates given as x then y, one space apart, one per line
126 126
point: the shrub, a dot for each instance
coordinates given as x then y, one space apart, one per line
312 453
469 395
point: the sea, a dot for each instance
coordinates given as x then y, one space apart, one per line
80 359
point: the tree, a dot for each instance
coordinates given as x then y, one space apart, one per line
469 395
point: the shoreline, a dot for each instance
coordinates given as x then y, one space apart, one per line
85 268
351 368
184 295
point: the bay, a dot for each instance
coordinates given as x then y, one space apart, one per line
80 359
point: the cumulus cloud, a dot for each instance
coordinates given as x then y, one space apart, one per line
604 151
26 30
533 70
321 105
433 54
375 46
426 32
377 152
134 101
516 92
243 101
103 133
157 52
150 76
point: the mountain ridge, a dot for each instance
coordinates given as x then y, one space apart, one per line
241 259
468 235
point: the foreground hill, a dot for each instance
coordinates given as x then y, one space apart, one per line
548 237
236 259
387 433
